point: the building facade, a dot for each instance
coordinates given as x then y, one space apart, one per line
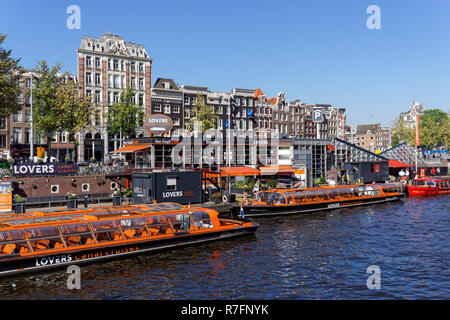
373 137
107 66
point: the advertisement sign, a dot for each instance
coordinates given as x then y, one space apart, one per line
158 124
5 196
43 169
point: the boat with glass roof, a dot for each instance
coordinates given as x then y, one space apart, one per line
282 202
36 241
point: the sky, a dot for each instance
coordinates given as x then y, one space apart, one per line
316 51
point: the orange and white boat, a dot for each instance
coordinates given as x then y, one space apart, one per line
36 241
283 202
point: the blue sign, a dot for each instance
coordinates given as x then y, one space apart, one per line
250 112
227 124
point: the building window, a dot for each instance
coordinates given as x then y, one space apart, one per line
244 102
141 100
220 110
176 121
27 116
28 83
166 109
141 84
3 123
88 78
3 142
187 100
17 135
141 67
171 184
116 64
88 62
98 96
187 113
175 109
156 108
97 79
17 117
116 97
97 63
133 66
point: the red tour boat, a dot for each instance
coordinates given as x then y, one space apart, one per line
429 186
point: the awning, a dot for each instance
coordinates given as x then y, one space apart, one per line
398 164
275 170
240 171
132 148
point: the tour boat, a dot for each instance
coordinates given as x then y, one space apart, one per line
428 186
283 202
36 241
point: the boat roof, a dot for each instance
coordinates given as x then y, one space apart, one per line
327 188
89 215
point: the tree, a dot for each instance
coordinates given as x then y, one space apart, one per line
79 111
47 117
402 133
434 128
124 116
204 113
10 78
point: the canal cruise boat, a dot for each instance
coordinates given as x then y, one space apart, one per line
284 202
428 186
36 241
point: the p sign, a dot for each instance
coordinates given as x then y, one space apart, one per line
318 116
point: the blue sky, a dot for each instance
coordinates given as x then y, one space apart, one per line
317 51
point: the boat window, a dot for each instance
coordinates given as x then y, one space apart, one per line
14 248
105 231
42 232
431 184
133 228
202 220
166 207
180 222
262 196
12 235
159 225
175 206
77 234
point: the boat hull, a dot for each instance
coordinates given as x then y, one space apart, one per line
21 265
418 191
258 211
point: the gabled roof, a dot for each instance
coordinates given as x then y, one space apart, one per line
362 129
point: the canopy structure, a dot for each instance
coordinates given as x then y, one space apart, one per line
398 164
240 171
132 148
274 170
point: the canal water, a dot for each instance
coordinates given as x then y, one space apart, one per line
315 256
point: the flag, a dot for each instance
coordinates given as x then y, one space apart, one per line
417 131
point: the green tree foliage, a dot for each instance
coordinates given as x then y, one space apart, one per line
58 105
79 111
434 130
46 114
204 113
10 77
124 116
402 133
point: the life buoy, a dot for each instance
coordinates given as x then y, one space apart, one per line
225 198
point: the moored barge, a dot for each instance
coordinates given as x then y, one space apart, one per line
36 241
428 187
284 202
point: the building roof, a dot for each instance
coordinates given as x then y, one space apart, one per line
362 129
159 84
